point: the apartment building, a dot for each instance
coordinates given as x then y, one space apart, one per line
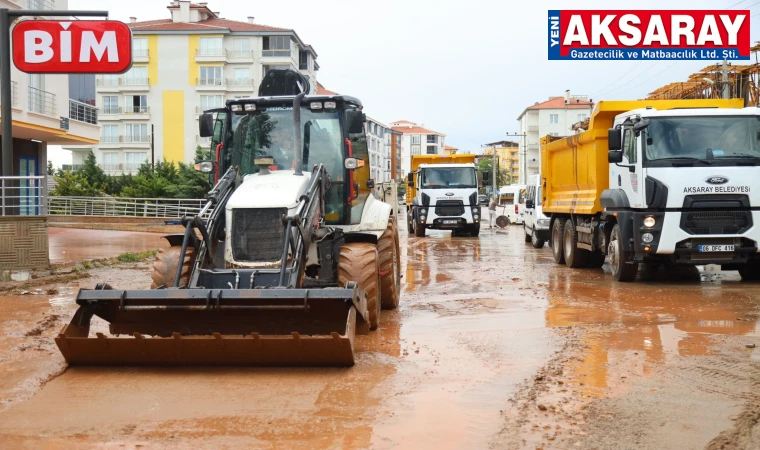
417 140
397 173
507 155
44 112
183 65
449 150
553 117
379 144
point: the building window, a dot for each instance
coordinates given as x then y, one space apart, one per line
140 47
553 134
277 46
553 118
211 102
581 117
110 133
432 139
135 159
243 76
242 47
211 46
415 149
111 161
431 149
135 104
303 60
110 104
136 132
211 76
416 139
137 76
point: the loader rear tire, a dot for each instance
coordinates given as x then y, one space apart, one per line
165 267
390 271
359 262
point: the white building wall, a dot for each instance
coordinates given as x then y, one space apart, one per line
537 124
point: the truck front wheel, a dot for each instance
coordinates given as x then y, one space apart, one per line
419 230
558 232
622 269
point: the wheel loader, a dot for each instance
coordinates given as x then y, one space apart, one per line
295 251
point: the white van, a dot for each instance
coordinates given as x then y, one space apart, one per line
511 205
536 224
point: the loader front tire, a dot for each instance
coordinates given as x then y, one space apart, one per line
358 262
387 252
165 267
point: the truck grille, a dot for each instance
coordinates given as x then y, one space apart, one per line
448 208
716 222
257 234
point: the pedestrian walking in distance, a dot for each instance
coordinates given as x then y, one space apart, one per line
491 212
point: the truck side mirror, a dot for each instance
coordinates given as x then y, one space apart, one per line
410 180
614 139
206 125
615 157
355 121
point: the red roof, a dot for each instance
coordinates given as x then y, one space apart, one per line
322 91
205 25
415 130
559 103
448 147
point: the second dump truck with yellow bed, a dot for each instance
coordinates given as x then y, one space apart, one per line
657 182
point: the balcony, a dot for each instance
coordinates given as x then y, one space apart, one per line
210 55
125 139
83 112
211 84
240 84
276 53
14 94
241 55
127 83
37 5
140 55
42 102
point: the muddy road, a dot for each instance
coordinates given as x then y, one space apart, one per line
493 346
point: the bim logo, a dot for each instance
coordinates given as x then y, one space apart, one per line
653 35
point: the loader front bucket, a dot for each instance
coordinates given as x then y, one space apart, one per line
252 327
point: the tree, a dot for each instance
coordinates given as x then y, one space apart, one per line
50 168
94 174
503 177
202 155
74 184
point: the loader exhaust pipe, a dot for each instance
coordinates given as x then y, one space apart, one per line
297 132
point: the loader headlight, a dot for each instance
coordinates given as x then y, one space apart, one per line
236 108
647 237
330 105
250 107
649 221
204 166
315 105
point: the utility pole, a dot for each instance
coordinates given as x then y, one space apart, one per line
726 87
494 161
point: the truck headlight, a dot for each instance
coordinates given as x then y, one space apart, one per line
649 221
543 223
647 237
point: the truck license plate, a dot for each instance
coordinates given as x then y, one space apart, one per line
716 248
450 222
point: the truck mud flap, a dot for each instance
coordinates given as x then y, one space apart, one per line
175 327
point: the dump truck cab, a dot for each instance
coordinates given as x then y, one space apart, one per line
683 178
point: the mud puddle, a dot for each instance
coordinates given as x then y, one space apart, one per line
69 245
437 373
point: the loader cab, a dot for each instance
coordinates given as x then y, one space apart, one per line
332 131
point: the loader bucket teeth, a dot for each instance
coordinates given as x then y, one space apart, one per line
170 327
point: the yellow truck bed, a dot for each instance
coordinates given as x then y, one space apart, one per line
575 171
417 160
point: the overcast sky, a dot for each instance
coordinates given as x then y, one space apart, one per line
465 69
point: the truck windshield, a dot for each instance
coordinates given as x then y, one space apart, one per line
270 132
449 177
703 138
